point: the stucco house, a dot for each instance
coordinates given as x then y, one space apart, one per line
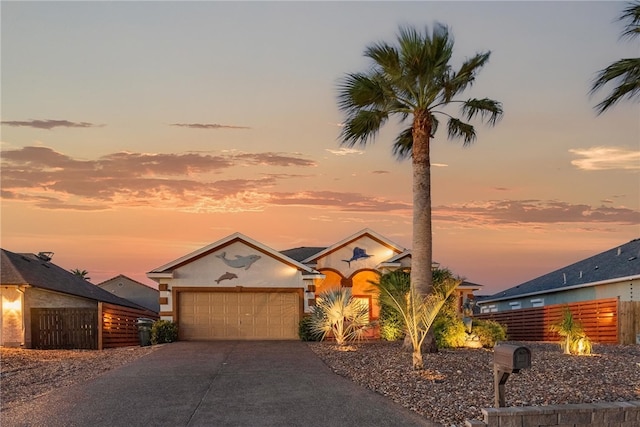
599 290
46 306
235 288
238 288
613 273
132 290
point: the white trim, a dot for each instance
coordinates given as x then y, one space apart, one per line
565 288
275 254
352 238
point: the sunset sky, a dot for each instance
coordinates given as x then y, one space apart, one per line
136 132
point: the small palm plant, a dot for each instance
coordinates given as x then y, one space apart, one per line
337 313
575 340
417 311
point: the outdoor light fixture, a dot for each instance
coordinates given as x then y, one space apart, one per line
14 305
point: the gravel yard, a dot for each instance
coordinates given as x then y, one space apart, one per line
452 388
25 374
456 384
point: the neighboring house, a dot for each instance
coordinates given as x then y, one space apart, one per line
46 306
134 291
238 288
610 276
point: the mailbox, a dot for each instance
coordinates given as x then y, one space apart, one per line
507 359
511 357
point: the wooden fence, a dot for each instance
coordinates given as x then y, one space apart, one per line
629 321
599 320
118 325
64 328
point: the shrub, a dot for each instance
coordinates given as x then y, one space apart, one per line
340 315
391 324
448 328
489 332
304 330
450 332
164 331
392 327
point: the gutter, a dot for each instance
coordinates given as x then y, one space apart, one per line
566 288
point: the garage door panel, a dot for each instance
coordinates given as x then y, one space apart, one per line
238 315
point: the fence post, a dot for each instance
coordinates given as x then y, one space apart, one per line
100 325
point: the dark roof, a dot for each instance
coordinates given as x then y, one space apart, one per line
302 253
29 269
619 262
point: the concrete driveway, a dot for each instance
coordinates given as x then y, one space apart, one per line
221 383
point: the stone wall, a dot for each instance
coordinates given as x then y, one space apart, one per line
600 414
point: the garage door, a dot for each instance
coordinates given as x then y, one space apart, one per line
238 315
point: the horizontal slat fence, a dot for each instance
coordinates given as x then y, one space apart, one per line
599 320
119 325
64 328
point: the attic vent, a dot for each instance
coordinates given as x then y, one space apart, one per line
632 258
45 256
619 251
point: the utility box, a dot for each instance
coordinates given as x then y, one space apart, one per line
511 358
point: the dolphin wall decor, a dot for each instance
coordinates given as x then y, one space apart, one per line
240 261
226 276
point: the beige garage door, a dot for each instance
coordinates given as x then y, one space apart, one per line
238 315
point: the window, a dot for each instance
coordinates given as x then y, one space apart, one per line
515 305
537 302
489 308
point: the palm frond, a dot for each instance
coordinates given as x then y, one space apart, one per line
466 75
632 14
386 57
458 129
624 73
362 127
488 109
403 144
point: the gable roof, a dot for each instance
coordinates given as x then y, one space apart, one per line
616 264
233 238
123 277
362 233
302 253
29 269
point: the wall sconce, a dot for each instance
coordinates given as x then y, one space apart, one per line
15 305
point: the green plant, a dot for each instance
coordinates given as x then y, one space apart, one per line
163 331
489 332
304 330
450 332
417 311
575 340
414 80
448 328
340 315
391 323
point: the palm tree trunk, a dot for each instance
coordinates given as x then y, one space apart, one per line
417 360
421 252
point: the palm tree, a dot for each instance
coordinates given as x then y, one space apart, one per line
417 312
413 80
337 313
81 273
624 73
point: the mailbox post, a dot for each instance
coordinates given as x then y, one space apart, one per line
507 359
